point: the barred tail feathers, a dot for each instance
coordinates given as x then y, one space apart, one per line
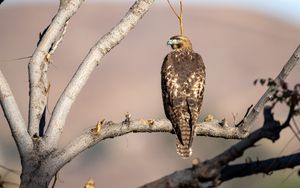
183 146
185 151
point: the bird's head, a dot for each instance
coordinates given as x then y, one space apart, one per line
179 42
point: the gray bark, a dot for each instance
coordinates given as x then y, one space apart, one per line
39 156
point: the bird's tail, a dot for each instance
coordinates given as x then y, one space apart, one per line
185 151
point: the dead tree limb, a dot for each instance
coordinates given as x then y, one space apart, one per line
208 173
292 62
98 51
39 152
213 128
266 167
111 130
38 64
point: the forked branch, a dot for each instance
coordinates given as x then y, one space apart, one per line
209 173
213 128
179 16
292 62
100 49
38 65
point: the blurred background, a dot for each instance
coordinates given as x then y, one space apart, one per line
238 40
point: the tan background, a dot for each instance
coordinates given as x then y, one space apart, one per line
237 46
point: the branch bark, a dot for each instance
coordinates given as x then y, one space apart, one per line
38 65
227 173
292 62
101 48
14 118
110 130
266 166
208 173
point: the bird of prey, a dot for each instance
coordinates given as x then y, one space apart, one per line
182 84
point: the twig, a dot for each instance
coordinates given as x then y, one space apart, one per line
174 11
179 16
16 59
296 125
288 176
10 170
247 112
180 19
55 179
285 146
247 121
295 133
9 183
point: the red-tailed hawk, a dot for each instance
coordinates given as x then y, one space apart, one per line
182 83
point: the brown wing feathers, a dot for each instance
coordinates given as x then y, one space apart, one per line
183 76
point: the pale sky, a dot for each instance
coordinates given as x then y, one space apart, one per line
288 10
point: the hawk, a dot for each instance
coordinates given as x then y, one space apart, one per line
182 84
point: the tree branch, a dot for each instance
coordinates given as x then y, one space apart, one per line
294 59
266 166
38 65
10 170
208 172
112 130
14 118
213 128
102 47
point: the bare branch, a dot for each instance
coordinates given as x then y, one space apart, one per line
265 166
212 128
248 120
179 16
102 47
38 65
111 130
247 112
208 172
188 175
173 9
10 170
14 118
